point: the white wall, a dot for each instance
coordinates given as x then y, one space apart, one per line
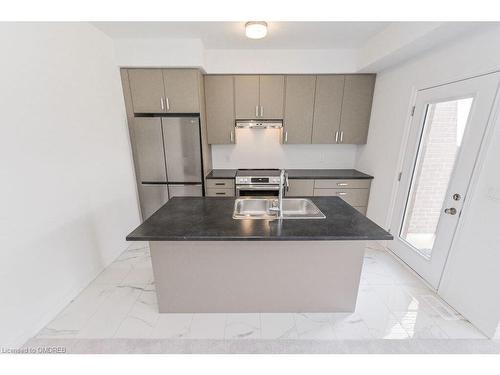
68 194
259 148
473 261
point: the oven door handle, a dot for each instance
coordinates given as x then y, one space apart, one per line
257 187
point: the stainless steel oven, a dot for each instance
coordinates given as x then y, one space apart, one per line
257 183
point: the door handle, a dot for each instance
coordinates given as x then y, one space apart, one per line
450 211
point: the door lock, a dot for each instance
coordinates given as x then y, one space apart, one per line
456 197
450 211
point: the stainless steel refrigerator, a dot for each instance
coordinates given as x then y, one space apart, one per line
168 159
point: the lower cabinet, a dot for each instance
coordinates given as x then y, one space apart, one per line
220 187
355 192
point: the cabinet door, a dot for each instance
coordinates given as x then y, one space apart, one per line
299 104
327 108
246 96
148 142
219 99
356 108
300 188
181 90
146 87
272 92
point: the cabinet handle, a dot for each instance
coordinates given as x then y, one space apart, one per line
168 105
162 104
231 136
256 111
286 136
341 136
220 193
220 183
261 111
342 184
341 193
337 136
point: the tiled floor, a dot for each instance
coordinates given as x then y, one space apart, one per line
392 304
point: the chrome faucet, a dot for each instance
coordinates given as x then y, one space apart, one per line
283 187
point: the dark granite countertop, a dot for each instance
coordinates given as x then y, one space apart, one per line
210 219
222 173
337 174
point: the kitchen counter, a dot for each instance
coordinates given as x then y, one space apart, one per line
210 219
222 173
325 174
320 174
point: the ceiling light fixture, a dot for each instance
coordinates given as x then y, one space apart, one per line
256 29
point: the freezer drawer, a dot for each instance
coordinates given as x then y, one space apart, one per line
185 191
152 197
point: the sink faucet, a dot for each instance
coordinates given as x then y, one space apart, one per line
282 188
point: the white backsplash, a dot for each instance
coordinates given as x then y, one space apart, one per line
261 148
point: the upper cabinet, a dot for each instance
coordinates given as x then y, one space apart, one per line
356 108
317 109
148 93
259 97
164 90
219 102
327 108
299 108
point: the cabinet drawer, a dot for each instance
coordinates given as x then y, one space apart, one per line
214 192
342 184
220 183
355 197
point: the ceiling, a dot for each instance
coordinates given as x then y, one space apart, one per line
231 35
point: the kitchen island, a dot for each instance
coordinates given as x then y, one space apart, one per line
206 261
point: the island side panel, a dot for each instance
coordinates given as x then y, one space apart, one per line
257 276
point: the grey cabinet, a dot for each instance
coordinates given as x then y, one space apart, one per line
355 192
300 188
259 97
164 90
327 108
356 108
219 103
246 97
220 187
272 92
299 107
147 91
150 156
181 90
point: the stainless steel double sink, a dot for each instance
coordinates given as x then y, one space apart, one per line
260 208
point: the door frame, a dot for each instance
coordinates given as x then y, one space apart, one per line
474 176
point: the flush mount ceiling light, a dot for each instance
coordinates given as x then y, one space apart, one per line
256 29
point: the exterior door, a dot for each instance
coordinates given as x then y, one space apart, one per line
447 128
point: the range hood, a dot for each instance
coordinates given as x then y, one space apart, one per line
259 124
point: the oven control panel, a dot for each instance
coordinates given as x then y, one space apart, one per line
244 180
